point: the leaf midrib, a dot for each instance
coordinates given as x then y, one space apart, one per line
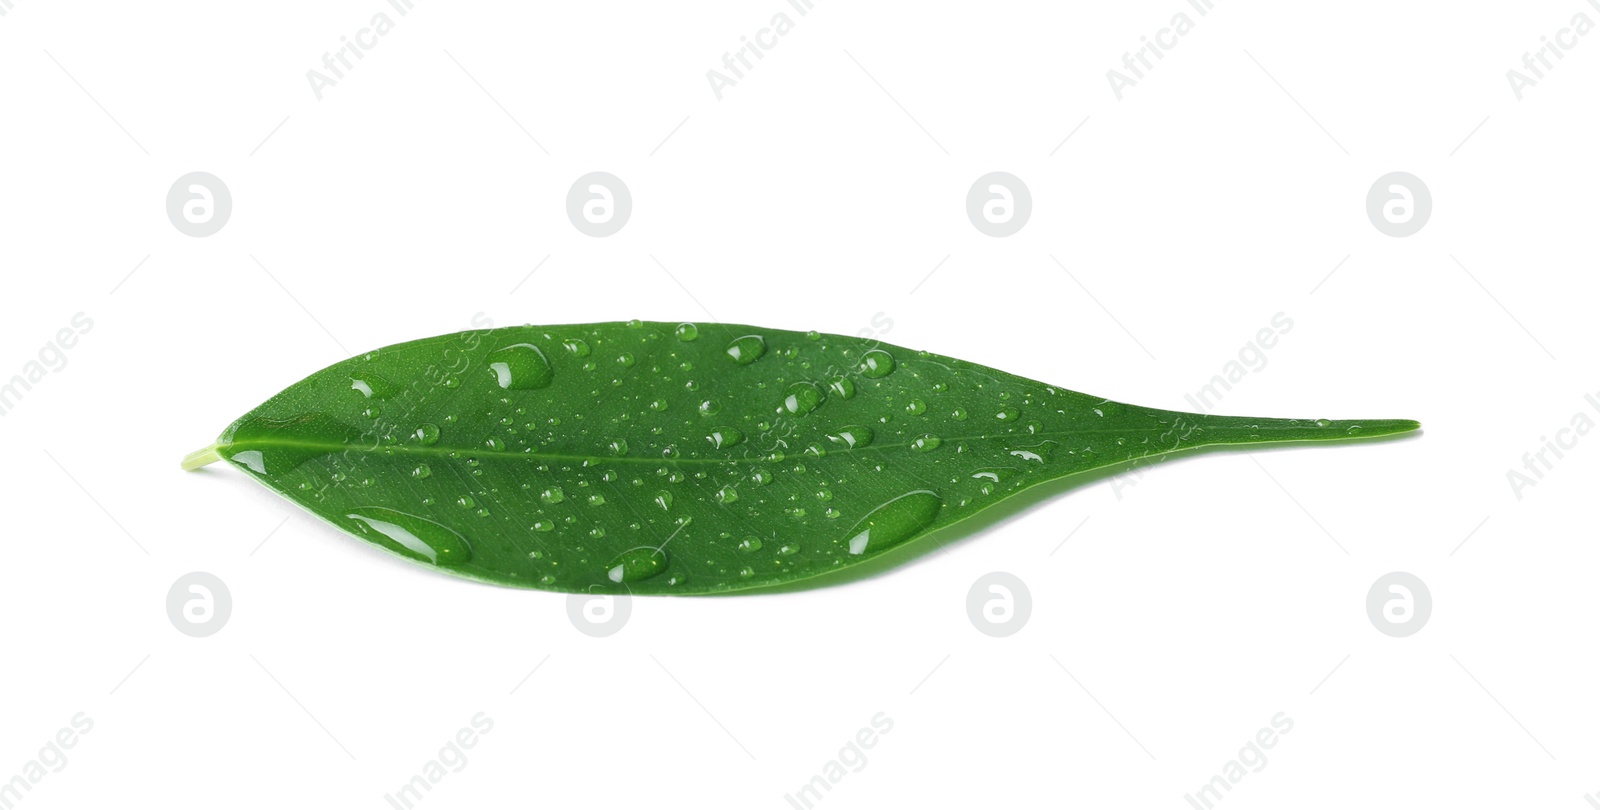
477 452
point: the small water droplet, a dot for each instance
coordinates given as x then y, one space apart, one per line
663 499
926 442
577 347
618 447
426 434
1007 414
750 544
687 332
553 495
1324 423
421 471
916 407
842 387
625 360
727 494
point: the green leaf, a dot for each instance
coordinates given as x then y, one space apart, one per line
684 459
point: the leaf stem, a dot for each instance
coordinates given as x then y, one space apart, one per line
201 458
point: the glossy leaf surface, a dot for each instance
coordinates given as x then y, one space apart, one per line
682 458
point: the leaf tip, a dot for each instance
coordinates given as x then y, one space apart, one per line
201 458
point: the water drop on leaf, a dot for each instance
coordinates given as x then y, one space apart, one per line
411 536
635 564
894 522
748 349
520 367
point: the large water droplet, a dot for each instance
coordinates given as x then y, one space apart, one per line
875 364
411 536
1039 452
520 367
724 437
370 385
285 443
853 436
577 347
894 522
426 434
802 398
748 349
636 564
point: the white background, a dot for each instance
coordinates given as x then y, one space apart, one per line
1190 606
